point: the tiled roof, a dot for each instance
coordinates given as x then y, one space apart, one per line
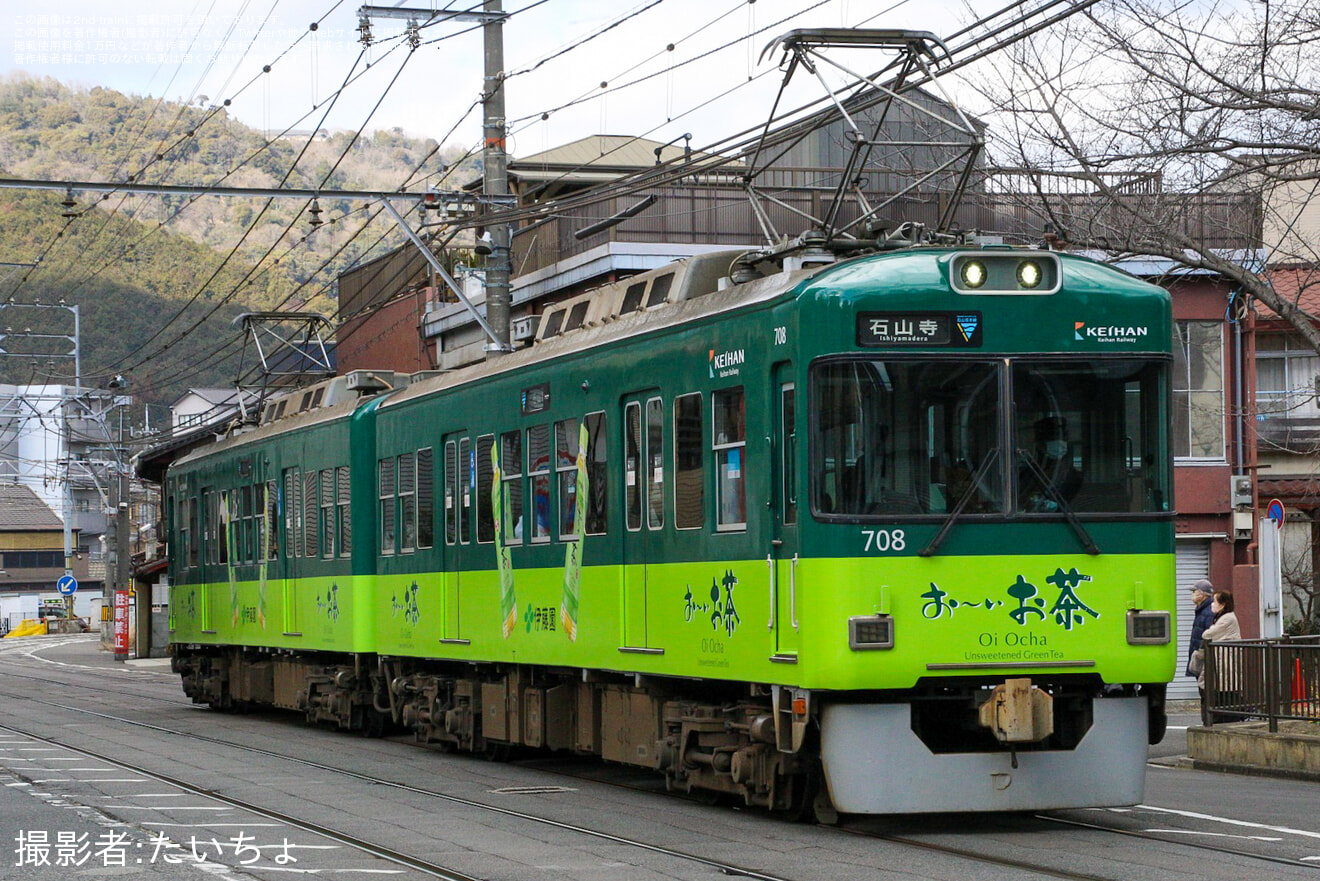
21 508
1300 285
1292 490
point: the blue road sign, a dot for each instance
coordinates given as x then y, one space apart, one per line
1274 511
66 585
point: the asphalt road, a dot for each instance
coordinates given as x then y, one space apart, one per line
517 821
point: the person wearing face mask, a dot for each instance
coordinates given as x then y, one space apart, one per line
1048 467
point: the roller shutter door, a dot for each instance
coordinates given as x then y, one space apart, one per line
1193 564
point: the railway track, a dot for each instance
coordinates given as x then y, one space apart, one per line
571 770
435 870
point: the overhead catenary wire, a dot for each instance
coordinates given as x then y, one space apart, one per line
211 114
722 152
1001 12
234 291
487 219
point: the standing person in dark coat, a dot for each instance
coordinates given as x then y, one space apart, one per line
1202 594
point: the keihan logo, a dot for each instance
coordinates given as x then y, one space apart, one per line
726 363
1112 333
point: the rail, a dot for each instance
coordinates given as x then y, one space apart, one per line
1271 679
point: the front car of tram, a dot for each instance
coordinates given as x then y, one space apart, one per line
987 571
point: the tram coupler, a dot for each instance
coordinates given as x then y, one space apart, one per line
1018 712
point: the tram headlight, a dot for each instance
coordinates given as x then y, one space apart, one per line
870 632
973 274
1029 274
1148 628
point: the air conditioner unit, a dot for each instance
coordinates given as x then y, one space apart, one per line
1239 490
524 328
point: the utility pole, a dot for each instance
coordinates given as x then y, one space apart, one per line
495 181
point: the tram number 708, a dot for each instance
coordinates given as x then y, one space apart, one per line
883 540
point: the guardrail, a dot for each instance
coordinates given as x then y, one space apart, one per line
1270 679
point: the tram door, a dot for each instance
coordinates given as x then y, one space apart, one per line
459 504
643 509
784 516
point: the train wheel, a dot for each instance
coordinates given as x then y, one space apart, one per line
498 752
802 808
823 809
374 723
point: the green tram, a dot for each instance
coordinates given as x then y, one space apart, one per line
888 535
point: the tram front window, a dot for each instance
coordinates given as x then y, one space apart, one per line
903 437
1089 435
898 437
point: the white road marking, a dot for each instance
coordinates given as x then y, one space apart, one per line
172 807
213 825
1217 834
1287 830
112 780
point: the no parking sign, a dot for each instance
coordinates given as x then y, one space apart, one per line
1274 511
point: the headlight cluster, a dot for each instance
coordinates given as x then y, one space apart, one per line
1007 273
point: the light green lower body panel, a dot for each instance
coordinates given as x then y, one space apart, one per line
313 614
788 622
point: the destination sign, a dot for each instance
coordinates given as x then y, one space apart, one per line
958 330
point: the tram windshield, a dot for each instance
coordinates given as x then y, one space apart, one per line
903 437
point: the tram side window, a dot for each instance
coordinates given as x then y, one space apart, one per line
788 450
224 527
538 468
511 478
465 484
292 513
566 453
425 498
729 447
655 464
485 489
597 475
209 551
311 512
407 493
632 461
245 525
193 537
272 521
385 492
328 513
689 456
451 493
183 533
343 483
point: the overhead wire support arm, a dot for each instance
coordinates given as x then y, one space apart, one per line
427 15
448 279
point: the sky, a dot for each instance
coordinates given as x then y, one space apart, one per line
207 51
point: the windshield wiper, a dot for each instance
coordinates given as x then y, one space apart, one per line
972 486
1052 493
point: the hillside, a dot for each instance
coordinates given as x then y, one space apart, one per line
134 262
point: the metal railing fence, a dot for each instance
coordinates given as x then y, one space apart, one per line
1270 679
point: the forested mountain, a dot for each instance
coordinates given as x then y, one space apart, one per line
133 263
